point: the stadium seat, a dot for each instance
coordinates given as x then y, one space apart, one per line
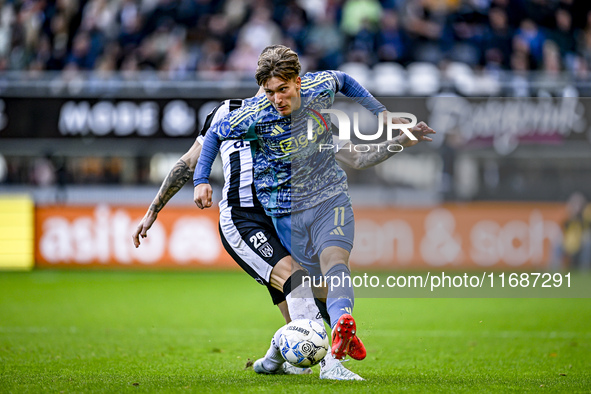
462 77
487 85
424 79
389 79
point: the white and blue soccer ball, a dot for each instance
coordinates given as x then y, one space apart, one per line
303 343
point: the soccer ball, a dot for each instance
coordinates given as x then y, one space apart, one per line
303 343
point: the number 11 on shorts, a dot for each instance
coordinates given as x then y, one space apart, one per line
338 210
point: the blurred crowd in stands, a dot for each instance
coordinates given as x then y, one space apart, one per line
179 37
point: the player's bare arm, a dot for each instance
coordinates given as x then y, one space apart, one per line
383 151
180 173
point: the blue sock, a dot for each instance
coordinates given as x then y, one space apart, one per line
340 297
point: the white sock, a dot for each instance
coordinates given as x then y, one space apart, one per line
328 361
273 359
301 305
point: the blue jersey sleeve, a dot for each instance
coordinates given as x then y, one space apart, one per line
353 89
210 149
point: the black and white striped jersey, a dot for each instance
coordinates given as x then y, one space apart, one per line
238 190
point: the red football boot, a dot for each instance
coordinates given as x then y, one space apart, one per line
356 348
344 340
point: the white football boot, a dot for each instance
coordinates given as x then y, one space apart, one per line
338 372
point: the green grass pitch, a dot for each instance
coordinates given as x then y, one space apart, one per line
101 331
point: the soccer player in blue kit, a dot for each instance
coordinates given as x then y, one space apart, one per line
300 186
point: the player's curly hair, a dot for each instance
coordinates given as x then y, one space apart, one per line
277 61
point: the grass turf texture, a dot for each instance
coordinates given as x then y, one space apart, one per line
189 332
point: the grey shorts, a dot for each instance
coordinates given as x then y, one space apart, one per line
330 223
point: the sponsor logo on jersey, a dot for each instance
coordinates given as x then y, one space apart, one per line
266 250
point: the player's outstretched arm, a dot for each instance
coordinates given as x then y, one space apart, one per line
383 151
174 181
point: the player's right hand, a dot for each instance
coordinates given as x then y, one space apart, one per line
143 227
202 195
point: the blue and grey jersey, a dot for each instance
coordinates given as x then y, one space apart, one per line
290 172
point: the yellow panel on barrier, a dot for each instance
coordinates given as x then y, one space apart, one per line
16 232
13 233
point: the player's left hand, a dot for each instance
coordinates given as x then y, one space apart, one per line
143 227
420 131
